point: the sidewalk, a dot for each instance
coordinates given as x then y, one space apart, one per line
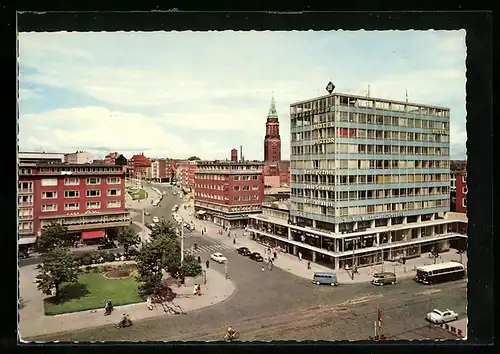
293 265
33 322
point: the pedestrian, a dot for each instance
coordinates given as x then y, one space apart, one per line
275 255
262 269
300 256
308 264
195 289
149 303
207 263
234 241
199 259
205 229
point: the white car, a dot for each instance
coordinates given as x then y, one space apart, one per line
155 219
218 257
190 213
437 316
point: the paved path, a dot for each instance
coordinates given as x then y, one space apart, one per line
33 322
293 265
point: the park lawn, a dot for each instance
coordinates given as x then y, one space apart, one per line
92 292
138 194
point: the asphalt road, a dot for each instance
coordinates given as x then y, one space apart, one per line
277 305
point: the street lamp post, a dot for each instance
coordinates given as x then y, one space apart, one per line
182 239
143 225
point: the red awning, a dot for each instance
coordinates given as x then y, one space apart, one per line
87 235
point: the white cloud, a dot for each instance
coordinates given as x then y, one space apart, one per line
100 127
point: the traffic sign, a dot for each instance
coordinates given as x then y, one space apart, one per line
330 87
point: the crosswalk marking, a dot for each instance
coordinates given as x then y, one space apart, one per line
208 248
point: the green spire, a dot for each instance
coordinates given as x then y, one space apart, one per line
272 110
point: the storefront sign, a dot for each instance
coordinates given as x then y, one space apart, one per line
319 172
320 187
324 141
383 216
440 132
316 202
323 125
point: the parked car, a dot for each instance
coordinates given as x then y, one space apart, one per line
256 257
156 219
327 278
218 257
107 246
190 213
384 278
244 251
437 316
147 213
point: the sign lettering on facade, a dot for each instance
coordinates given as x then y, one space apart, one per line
319 187
319 172
324 141
440 132
323 125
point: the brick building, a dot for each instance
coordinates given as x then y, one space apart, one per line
186 171
138 166
461 192
111 157
79 157
88 199
162 169
227 192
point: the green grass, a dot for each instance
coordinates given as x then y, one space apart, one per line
138 194
92 292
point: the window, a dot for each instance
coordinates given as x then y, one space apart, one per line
73 181
26 226
26 187
25 200
93 181
246 188
114 192
93 205
246 178
464 179
255 188
246 197
93 193
464 190
114 180
464 202
114 204
236 198
49 182
236 188
236 178
255 178
49 207
72 206
49 195
71 194
255 197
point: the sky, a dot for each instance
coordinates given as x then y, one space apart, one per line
179 94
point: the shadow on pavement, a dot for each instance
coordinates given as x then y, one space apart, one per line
69 292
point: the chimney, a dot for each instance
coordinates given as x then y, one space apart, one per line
241 152
234 155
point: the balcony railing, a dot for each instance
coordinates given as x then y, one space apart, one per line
25 190
25 217
25 231
26 204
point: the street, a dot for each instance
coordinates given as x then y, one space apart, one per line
277 305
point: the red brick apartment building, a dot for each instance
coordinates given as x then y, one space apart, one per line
461 192
138 166
89 199
186 171
162 169
227 192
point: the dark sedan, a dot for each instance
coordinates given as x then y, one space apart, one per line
257 257
244 251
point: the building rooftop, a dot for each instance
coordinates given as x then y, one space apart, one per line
229 163
75 165
277 190
369 99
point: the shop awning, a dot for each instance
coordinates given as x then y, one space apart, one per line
201 212
27 240
88 235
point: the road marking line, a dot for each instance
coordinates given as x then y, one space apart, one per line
360 300
429 292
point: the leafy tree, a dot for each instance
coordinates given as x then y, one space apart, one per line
161 253
58 266
127 237
190 266
55 235
163 228
194 158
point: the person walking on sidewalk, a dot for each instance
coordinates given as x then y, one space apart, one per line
308 265
207 263
275 255
300 256
262 268
270 265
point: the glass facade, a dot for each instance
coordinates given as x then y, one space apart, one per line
356 159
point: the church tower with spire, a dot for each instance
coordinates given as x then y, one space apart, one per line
272 140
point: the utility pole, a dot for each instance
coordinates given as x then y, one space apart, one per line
181 224
354 242
143 226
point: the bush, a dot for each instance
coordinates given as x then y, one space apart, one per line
132 252
109 257
84 258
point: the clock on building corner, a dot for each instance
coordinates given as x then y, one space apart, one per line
330 87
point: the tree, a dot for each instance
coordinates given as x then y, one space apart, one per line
58 266
163 228
161 253
55 235
127 237
194 158
190 267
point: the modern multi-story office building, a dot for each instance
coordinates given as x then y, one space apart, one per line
370 180
227 192
88 198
